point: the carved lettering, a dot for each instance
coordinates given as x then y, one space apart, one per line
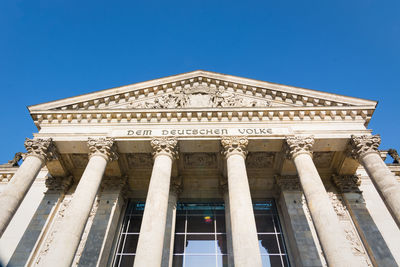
146 132
198 131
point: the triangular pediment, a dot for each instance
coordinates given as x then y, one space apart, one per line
201 89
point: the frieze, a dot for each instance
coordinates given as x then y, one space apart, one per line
322 159
260 160
200 160
140 160
288 182
80 161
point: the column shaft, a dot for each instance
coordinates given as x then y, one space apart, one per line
169 230
244 233
384 181
66 242
16 189
331 235
151 239
229 245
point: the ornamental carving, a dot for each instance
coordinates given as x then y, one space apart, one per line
363 145
347 183
110 183
260 160
165 145
234 144
288 182
338 206
42 148
223 185
200 96
58 183
298 145
139 160
105 147
200 160
177 185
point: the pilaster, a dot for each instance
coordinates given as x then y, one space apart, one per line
375 245
301 241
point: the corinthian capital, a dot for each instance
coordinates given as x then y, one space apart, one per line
298 145
234 145
165 145
347 183
41 148
104 147
363 145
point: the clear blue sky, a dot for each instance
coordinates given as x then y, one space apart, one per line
53 49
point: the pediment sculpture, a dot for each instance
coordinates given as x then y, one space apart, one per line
200 96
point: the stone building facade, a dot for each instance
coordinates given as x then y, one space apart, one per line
201 169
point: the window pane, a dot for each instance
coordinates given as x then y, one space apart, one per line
265 261
177 261
179 244
180 224
220 220
222 260
200 224
221 244
200 261
275 261
265 224
200 244
134 224
131 243
268 244
127 261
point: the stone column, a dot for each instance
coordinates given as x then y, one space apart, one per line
303 247
62 251
151 239
331 235
168 251
375 244
244 233
39 151
229 245
365 149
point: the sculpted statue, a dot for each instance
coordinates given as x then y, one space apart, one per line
14 162
393 153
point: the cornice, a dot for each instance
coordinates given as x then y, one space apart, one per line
57 117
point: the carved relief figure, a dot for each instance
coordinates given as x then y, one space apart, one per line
200 96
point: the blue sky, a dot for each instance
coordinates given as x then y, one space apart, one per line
55 49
